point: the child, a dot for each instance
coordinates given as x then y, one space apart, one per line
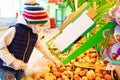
18 42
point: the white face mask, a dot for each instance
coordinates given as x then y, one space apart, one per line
37 28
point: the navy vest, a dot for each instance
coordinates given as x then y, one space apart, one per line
23 43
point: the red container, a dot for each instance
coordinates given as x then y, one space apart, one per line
53 26
54 1
52 23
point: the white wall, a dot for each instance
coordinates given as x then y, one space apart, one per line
8 8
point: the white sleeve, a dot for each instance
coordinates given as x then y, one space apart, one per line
44 49
6 39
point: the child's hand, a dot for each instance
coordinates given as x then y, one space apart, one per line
18 64
56 62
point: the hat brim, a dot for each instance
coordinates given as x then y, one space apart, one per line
36 22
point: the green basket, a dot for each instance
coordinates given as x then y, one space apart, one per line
96 38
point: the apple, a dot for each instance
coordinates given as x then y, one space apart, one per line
94 55
43 74
76 77
57 74
49 76
24 78
47 69
84 78
77 70
85 70
106 62
64 77
68 68
99 74
114 56
53 69
104 72
93 60
61 69
69 74
59 78
82 73
98 71
108 77
91 75
98 78
118 38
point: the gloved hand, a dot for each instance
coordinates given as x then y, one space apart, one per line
18 64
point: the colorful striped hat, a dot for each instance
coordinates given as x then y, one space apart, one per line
35 14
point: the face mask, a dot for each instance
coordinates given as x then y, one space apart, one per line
37 28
